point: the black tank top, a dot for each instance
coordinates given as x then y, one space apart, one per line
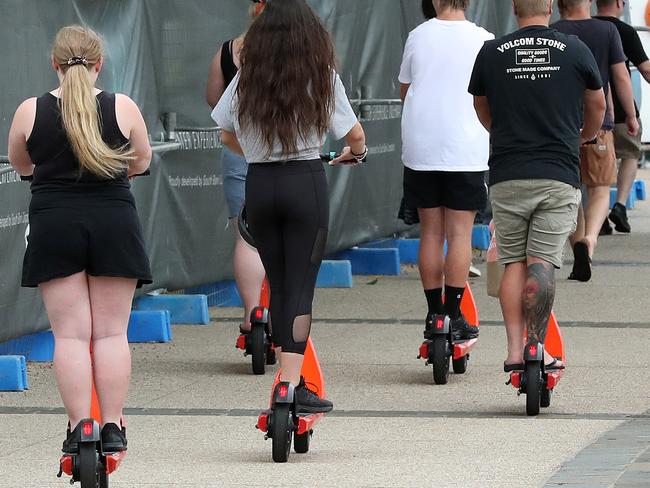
56 166
228 66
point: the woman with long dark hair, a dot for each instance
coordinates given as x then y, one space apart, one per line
85 251
277 112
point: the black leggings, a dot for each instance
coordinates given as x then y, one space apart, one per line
288 214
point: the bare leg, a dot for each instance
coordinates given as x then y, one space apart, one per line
595 215
511 298
68 309
458 228
626 176
291 365
249 274
538 297
110 301
432 240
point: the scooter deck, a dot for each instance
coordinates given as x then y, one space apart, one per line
306 421
111 461
552 378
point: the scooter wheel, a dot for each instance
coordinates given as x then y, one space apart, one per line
460 365
533 388
545 401
282 432
258 348
88 465
440 360
301 442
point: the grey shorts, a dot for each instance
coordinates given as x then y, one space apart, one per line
627 146
533 218
234 168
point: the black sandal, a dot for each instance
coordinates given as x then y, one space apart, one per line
509 368
554 365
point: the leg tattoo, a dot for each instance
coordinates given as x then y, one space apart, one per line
539 294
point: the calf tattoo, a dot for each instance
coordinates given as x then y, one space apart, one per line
539 294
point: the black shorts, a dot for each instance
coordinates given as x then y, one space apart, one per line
97 233
448 189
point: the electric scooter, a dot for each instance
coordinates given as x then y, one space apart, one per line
440 347
91 467
536 382
281 422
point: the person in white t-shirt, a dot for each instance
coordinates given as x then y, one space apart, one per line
445 153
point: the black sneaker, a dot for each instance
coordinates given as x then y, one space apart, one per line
618 215
462 331
309 402
113 438
71 443
606 229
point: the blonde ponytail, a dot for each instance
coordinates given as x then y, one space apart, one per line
76 50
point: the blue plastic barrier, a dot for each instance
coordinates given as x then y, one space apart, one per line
408 248
481 237
150 326
184 309
631 200
372 261
640 190
335 274
37 347
13 373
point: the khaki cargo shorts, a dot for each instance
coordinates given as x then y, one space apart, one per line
533 218
627 146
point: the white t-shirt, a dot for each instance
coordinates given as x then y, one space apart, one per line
342 120
440 129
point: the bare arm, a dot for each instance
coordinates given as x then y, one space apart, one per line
229 139
132 125
216 84
356 144
623 85
403 90
644 69
594 114
19 132
482 107
610 102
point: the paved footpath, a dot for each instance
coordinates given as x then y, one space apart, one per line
193 402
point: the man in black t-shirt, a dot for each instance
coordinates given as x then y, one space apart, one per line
628 148
534 90
597 161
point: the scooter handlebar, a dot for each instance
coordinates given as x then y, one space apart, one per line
332 155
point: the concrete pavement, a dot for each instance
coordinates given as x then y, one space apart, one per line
193 402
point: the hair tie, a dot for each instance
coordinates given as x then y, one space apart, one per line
74 60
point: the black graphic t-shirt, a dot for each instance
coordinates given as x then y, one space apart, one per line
633 49
603 40
534 80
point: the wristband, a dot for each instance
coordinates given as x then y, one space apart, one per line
362 156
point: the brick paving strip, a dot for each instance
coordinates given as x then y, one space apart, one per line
619 459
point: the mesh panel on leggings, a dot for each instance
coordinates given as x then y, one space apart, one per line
301 328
